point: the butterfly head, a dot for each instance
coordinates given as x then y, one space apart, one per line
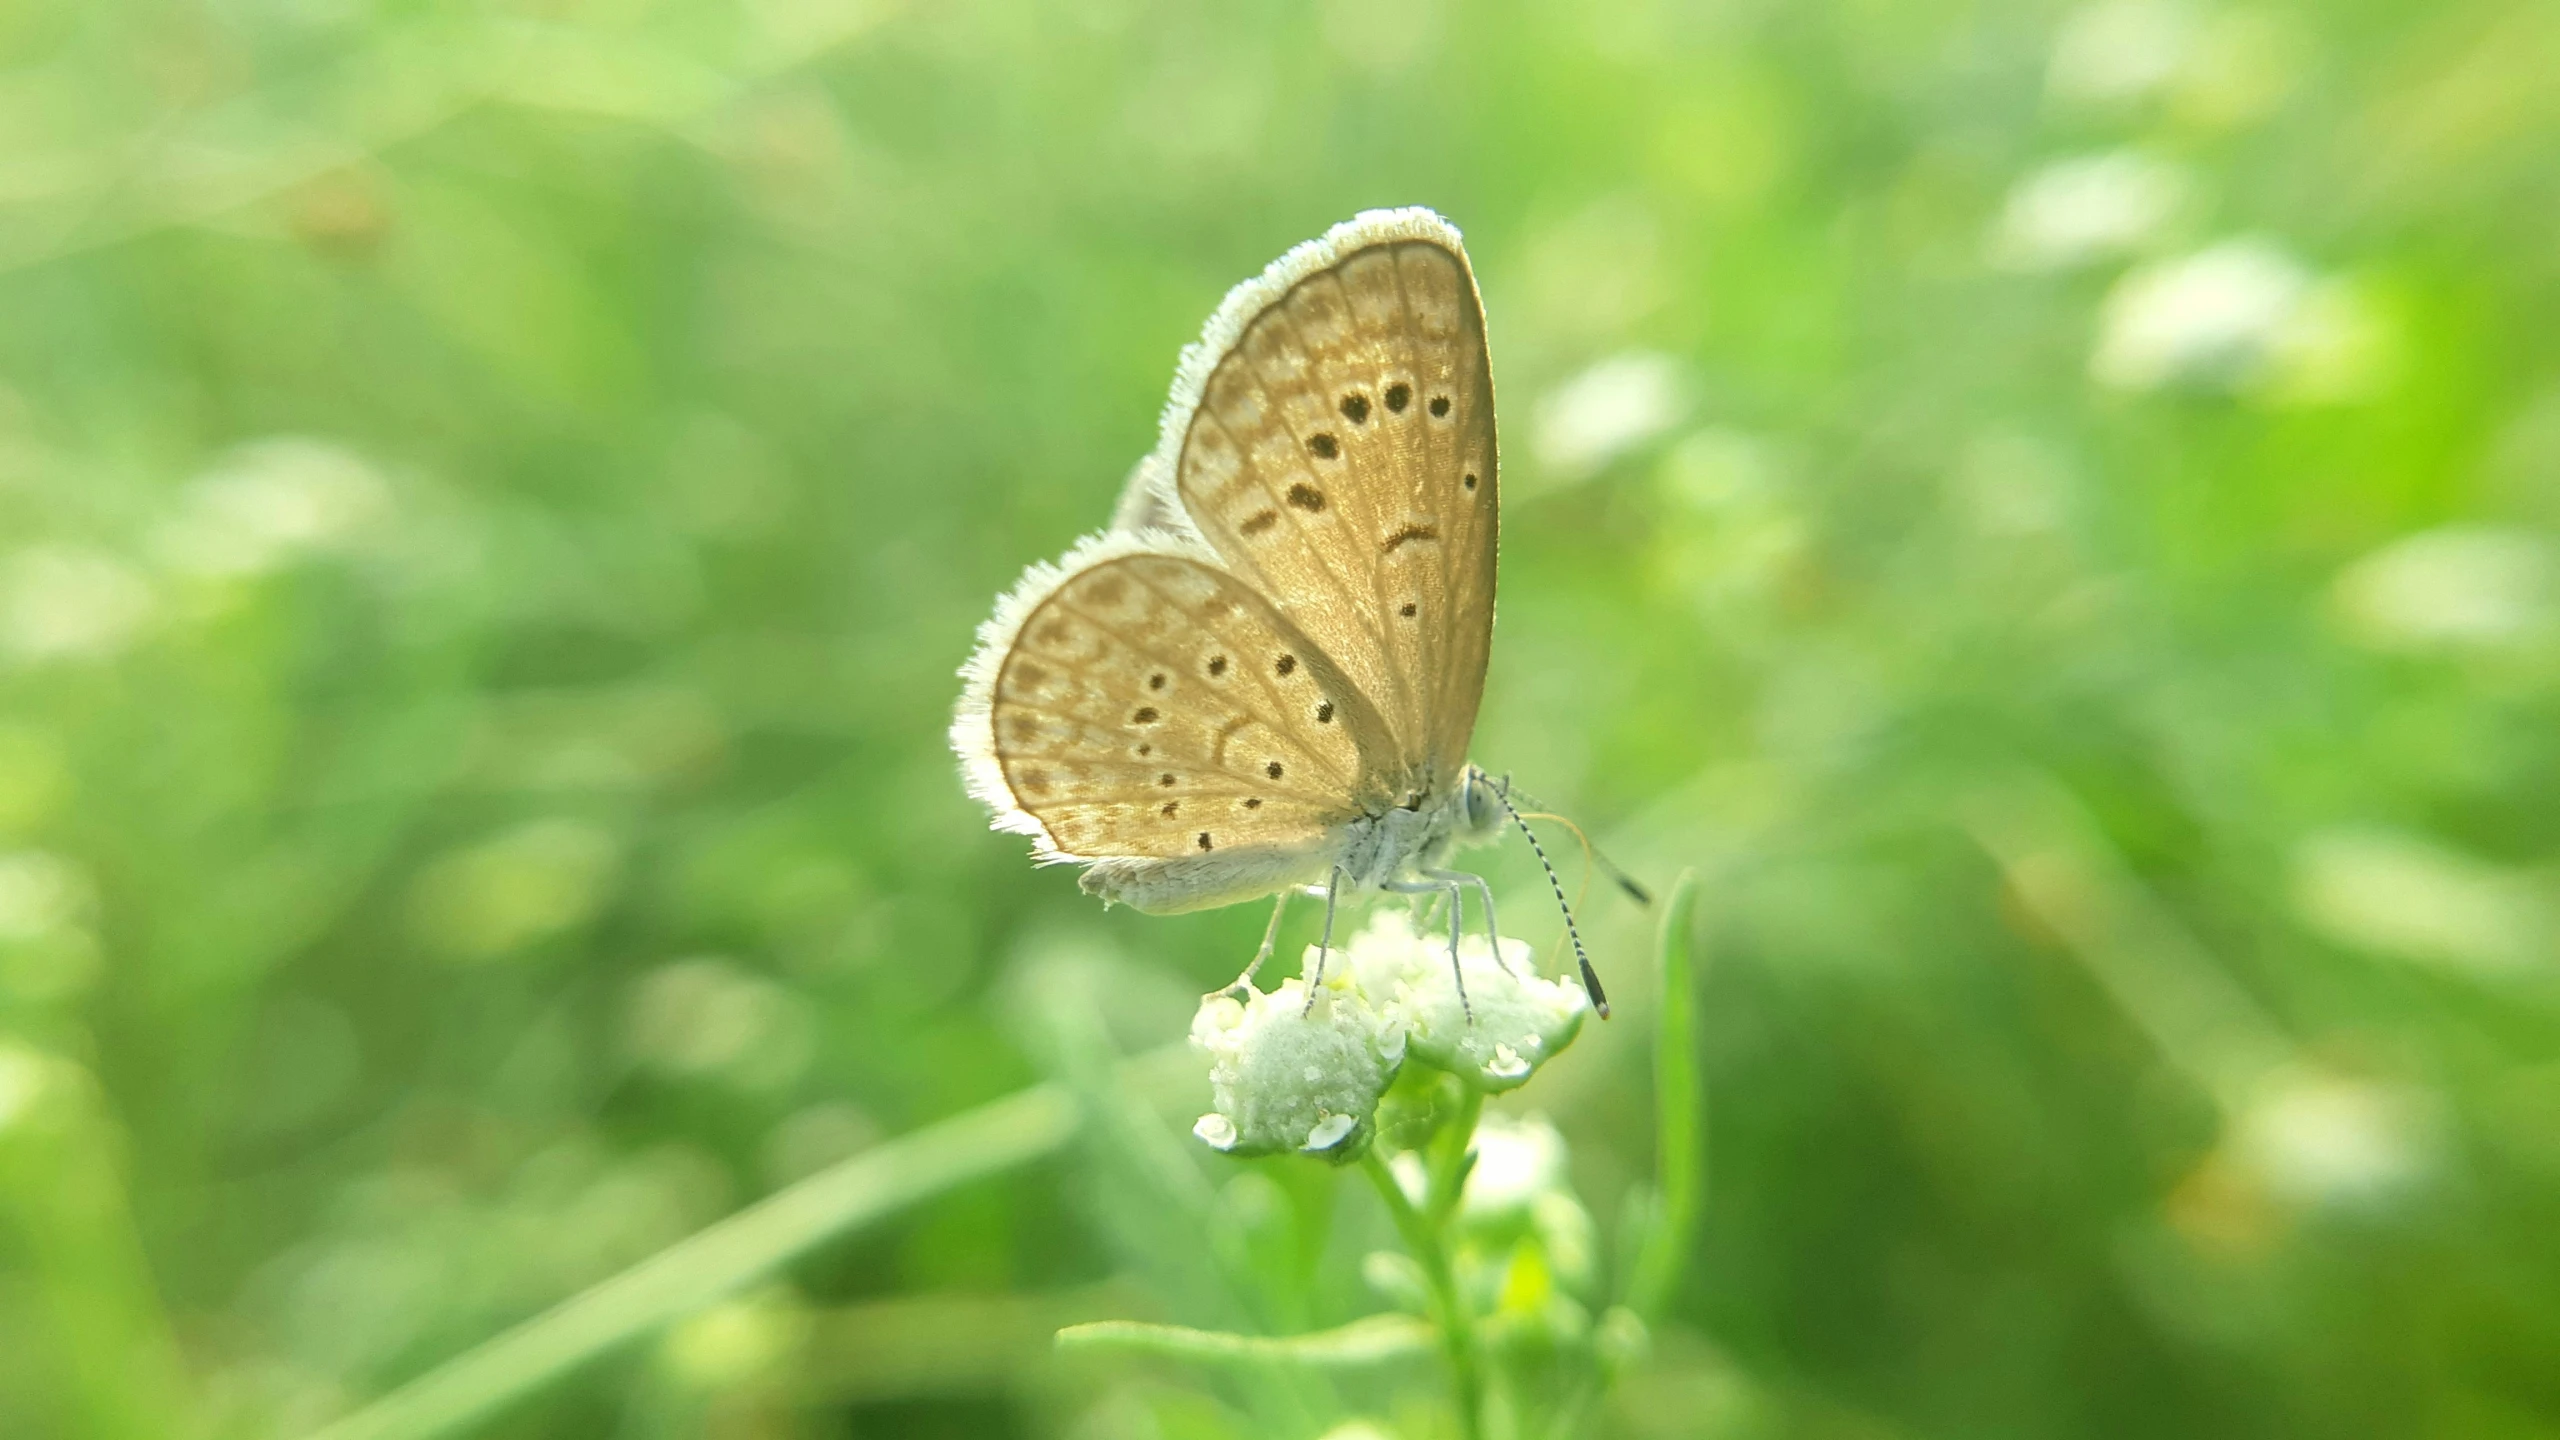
1481 812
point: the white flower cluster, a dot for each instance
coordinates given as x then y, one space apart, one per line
1289 1075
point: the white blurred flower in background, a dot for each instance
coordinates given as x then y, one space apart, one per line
2398 894
2211 68
1517 1160
268 503
64 602
2316 1139
2245 316
2212 317
2120 51
2088 208
2457 588
1608 410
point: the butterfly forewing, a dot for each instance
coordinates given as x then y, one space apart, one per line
1151 706
1341 461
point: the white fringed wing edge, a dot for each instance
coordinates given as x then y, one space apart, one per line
1150 496
973 732
1245 301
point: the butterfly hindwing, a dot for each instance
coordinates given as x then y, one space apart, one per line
1151 706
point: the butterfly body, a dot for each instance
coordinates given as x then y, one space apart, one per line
1265 674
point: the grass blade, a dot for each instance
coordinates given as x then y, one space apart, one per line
718 1260
1679 1109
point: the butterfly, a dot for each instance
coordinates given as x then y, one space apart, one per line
1264 675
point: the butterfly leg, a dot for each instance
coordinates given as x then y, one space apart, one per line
1492 927
1324 947
1449 886
1270 936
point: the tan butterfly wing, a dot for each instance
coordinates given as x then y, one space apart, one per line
1199 703
1150 706
1341 460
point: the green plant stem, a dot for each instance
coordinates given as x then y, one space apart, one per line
1424 1236
1454 1158
1376 1340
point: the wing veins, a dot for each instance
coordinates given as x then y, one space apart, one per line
1349 783
1431 658
1298 451
1407 696
1279 501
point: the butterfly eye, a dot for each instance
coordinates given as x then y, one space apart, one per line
1324 712
1324 445
1439 405
1355 408
1399 395
1284 664
1306 497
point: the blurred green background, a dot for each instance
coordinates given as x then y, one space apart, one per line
2056 512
